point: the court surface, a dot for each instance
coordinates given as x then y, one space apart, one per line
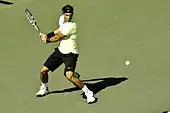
109 33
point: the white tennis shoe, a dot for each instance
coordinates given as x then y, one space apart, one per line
90 97
42 91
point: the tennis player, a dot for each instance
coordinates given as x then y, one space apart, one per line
66 53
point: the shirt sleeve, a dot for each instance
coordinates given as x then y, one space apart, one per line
68 28
61 20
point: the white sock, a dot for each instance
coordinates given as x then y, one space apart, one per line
85 89
44 84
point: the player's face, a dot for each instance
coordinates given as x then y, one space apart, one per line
67 17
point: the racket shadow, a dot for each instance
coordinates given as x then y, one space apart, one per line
96 87
6 2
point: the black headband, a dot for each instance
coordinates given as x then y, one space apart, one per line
68 11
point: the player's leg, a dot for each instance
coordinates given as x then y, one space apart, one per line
44 74
52 63
44 81
70 65
77 82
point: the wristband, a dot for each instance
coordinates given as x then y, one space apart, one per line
51 34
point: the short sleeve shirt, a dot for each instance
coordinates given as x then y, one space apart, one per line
68 43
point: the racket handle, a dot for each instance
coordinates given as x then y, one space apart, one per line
40 34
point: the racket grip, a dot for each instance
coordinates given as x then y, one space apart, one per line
40 34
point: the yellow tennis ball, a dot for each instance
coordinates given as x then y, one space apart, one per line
127 62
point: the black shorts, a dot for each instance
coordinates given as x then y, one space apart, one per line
57 58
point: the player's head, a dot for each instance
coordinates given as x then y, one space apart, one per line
68 12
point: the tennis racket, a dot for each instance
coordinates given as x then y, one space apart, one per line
31 20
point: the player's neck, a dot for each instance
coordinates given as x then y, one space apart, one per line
66 21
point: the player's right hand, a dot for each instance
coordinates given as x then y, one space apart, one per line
43 37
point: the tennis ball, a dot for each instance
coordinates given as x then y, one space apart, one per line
77 75
127 62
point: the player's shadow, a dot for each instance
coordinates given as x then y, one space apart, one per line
6 2
95 86
103 83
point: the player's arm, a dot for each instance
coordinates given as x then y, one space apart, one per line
53 36
58 35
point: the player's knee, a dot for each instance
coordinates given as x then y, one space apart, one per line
44 70
69 75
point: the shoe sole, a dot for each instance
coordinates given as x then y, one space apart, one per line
93 101
42 95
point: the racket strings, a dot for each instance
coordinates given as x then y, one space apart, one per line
31 19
